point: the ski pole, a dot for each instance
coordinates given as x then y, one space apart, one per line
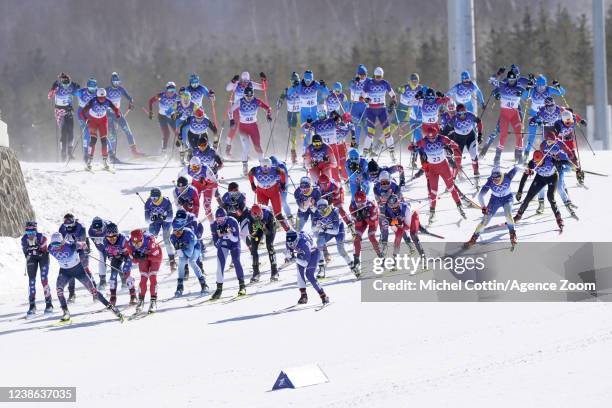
77 143
143 201
124 215
212 104
218 138
271 131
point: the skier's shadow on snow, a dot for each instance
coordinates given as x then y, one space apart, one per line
130 191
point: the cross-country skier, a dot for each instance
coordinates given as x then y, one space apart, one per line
207 154
84 95
327 226
374 170
374 93
65 251
262 224
501 197
188 249
408 107
247 107
312 94
62 91
270 183
307 258
237 86
509 95
116 250
95 112
402 220
292 96
194 127
158 213
226 237
234 203
71 228
97 232
336 101
319 158
357 169
357 106
115 92
462 128
365 214
465 92
34 247
282 166
430 104
384 188
186 196
306 197
566 130
334 194
344 128
148 255
433 147
325 126
199 91
180 112
165 100
205 182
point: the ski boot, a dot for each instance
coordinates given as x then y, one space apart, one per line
540 209
497 157
559 221
291 221
254 278
113 299
179 288
273 271
135 152
153 305
88 163
65 316
115 311
392 154
432 215
102 283
274 276
172 263
241 288
513 239
186 277
133 300
471 242
218 292
355 268
105 163
71 297
321 272
140 304
326 255
303 297
293 157
570 209
518 155
245 168
324 297
461 212
228 151
477 181
31 310
48 307
123 281
203 286
413 160
517 217
383 249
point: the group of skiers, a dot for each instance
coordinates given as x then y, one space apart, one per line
339 150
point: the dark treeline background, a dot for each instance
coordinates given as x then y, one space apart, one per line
151 42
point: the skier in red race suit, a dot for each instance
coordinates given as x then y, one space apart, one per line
95 113
270 182
148 255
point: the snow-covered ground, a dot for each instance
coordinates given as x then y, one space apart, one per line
375 354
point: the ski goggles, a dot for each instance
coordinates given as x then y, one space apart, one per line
30 231
112 237
385 183
317 144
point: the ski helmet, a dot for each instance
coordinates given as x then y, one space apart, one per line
256 211
97 224
274 161
115 80
321 112
465 76
178 223
567 117
136 237
347 117
511 77
30 227
170 86
360 198
220 216
155 193
541 81
92 84
322 205
496 173
317 140
56 239
248 92
186 96
414 78
112 230
233 186
379 73
384 178
195 164
373 168
245 76
515 69
101 93
199 113
362 70
338 87
64 79
69 220
308 77
265 163
305 183
203 141
461 109
393 201
451 106
194 80
295 77
353 154
291 239
549 101
430 93
182 182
